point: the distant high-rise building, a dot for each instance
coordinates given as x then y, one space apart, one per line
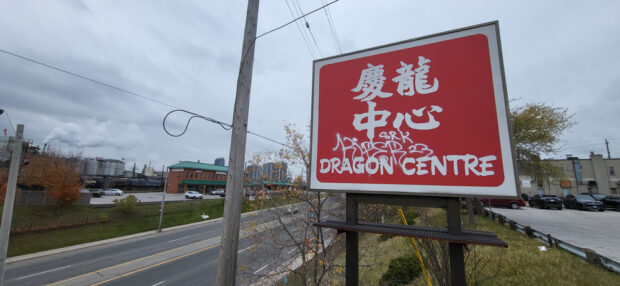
220 161
255 172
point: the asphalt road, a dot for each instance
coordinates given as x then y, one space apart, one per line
598 231
186 256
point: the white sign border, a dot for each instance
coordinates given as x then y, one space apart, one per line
508 188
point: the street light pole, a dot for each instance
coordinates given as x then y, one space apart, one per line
163 199
9 199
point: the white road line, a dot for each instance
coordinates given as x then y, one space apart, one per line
291 250
242 250
158 283
180 238
51 270
259 269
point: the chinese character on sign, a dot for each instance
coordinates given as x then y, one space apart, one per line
371 120
406 84
421 85
370 83
405 79
430 124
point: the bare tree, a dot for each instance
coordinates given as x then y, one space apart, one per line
305 252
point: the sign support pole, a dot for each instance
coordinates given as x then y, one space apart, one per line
352 266
457 258
227 266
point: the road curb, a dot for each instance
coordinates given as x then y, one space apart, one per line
112 240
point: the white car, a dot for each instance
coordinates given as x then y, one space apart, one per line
193 195
113 192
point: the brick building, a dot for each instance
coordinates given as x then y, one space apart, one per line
195 176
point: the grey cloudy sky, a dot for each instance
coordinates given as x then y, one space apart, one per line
187 54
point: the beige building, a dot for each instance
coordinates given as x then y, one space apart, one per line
596 175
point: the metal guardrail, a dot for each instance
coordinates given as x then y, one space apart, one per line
586 254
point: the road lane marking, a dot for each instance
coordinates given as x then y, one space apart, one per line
250 233
119 265
242 250
43 272
291 250
155 265
158 283
259 269
180 238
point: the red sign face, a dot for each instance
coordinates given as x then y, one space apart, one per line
423 117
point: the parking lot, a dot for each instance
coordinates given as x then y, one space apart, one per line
598 231
144 197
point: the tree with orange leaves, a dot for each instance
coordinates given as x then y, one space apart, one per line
52 172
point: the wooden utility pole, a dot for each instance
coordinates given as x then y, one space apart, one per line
227 266
9 199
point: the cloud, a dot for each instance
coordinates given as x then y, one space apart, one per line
91 134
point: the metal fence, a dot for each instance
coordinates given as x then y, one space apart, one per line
586 254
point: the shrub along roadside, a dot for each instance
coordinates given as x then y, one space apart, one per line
143 218
401 270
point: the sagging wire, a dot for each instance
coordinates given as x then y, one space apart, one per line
224 125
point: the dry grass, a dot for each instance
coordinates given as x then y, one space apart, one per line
520 264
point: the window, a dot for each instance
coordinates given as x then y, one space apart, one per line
612 172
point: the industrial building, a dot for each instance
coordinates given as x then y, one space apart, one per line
103 167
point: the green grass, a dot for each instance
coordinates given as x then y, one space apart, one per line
519 264
145 218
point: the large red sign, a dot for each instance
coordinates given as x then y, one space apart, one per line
423 116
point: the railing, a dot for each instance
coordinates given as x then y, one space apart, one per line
586 254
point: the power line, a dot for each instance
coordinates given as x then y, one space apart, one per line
278 28
176 108
303 34
87 78
330 21
308 25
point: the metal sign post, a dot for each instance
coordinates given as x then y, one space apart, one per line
454 235
352 255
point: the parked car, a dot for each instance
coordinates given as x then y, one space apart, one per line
219 192
545 201
513 203
290 209
193 195
582 202
612 202
250 193
113 192
598 197
96 193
